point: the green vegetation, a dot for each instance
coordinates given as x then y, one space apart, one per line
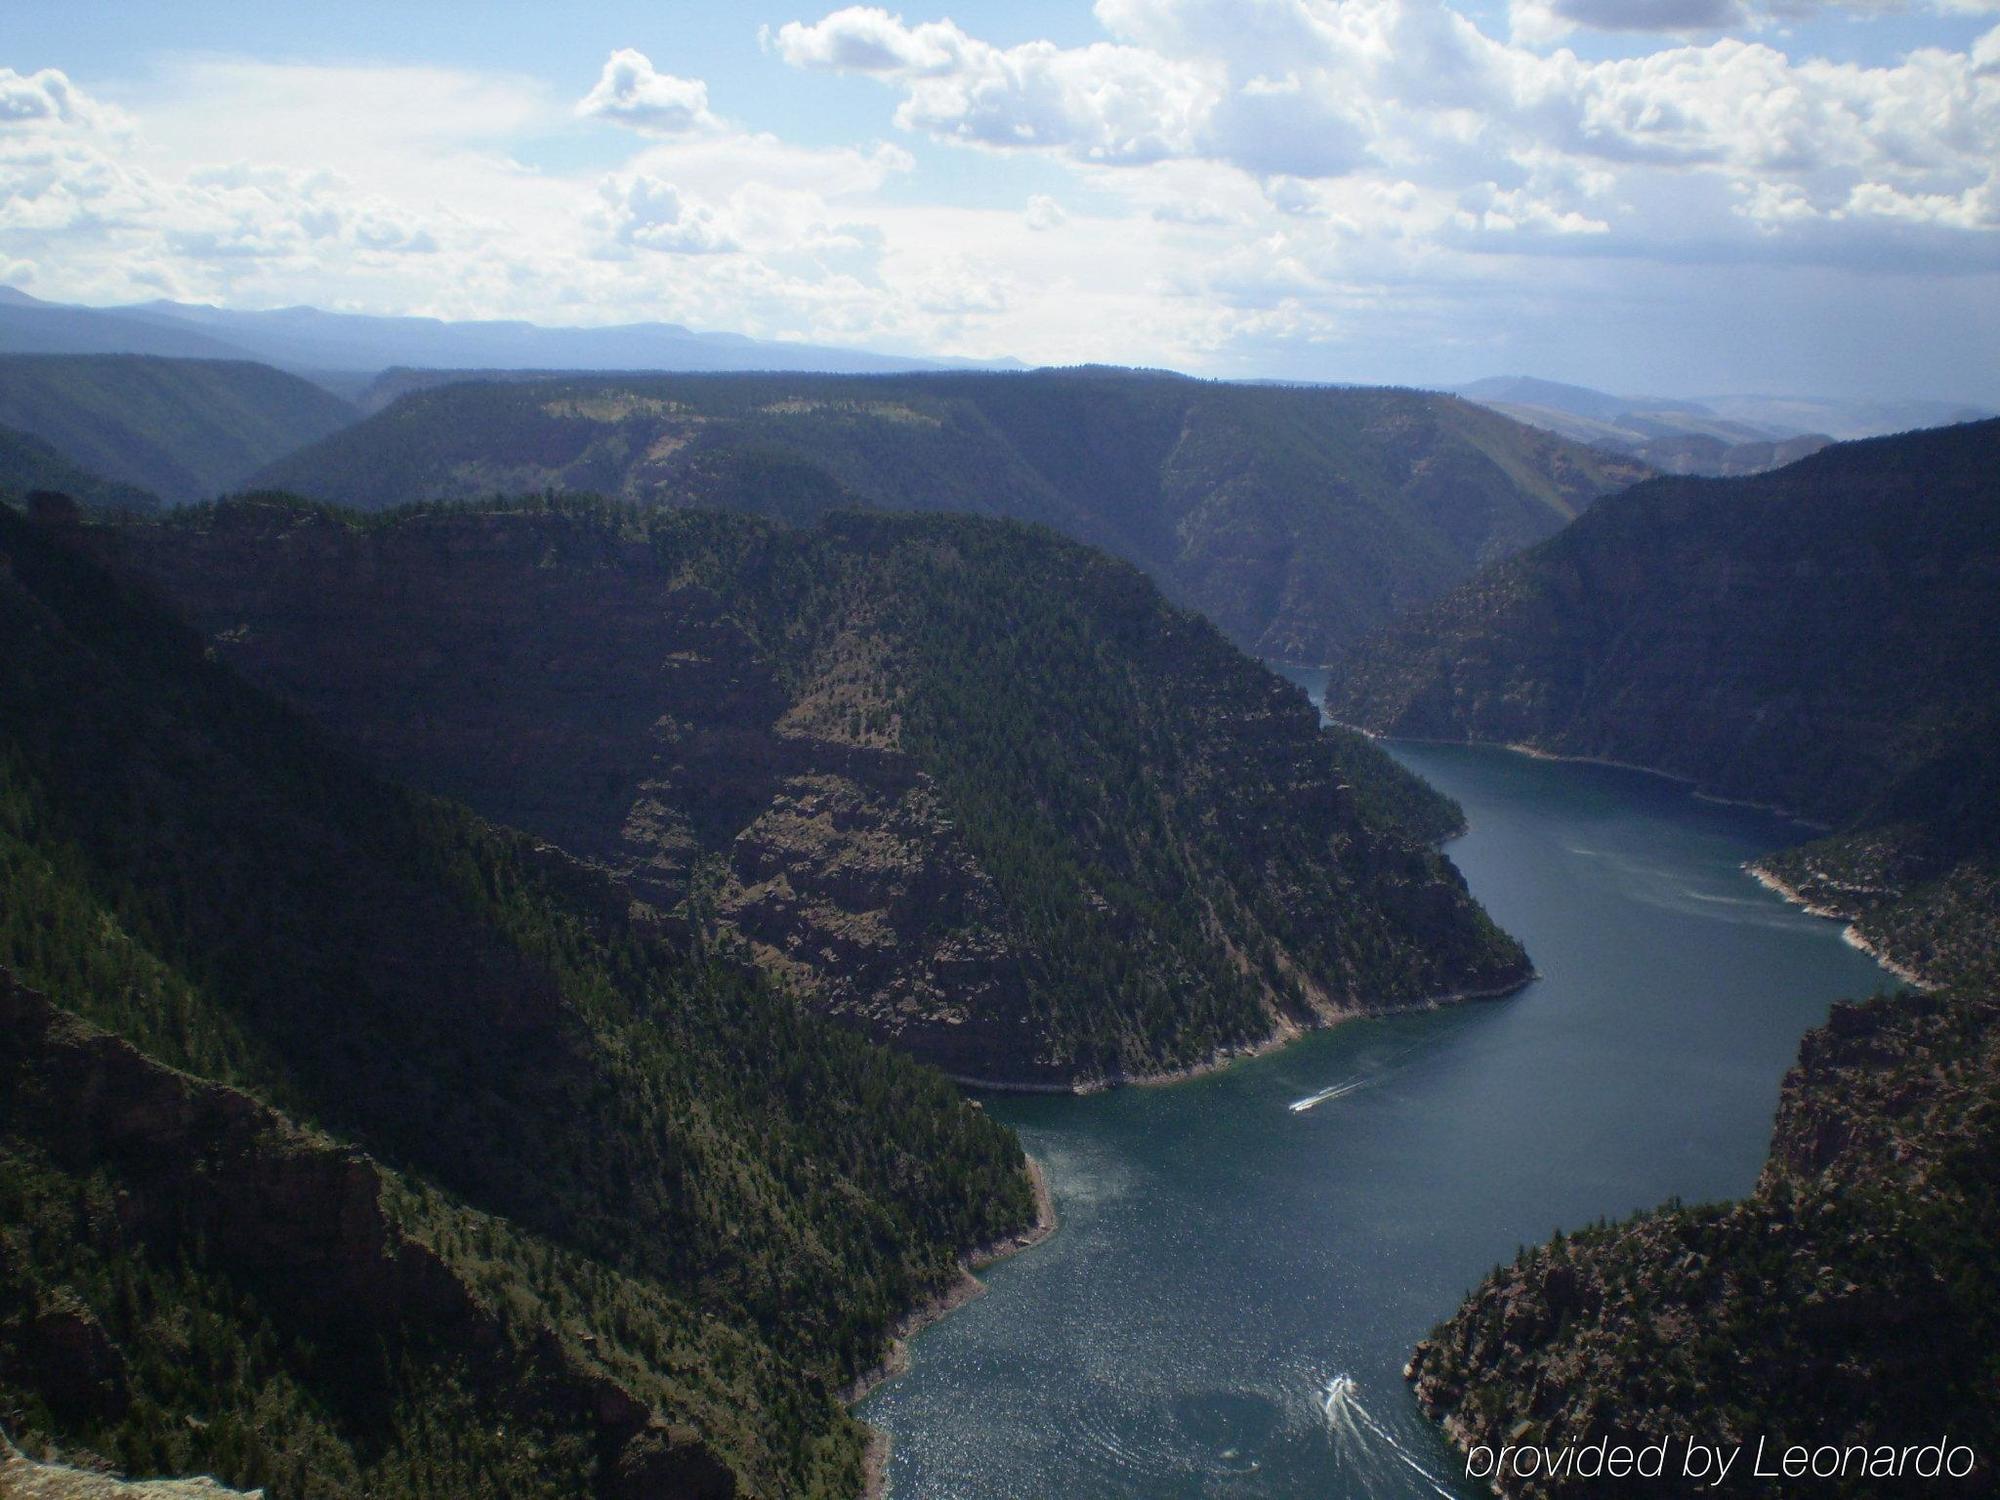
1169 873
1294 518
1827 637
967 765
28 464
617 1173
182 429
1852 1299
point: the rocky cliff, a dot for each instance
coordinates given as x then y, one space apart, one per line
22 1478
972 788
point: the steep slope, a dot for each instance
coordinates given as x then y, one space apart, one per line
1826 637
28 464
1852 1300
183 429
625 1219
1294 518
975 788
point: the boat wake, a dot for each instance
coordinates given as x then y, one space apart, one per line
1337 1091
1363 1439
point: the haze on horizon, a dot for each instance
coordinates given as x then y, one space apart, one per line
1646 196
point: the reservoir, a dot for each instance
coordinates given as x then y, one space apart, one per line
1246 1259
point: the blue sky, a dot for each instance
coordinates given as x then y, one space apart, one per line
1671 196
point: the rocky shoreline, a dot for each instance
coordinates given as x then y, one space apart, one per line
1287 1032
1851 933
964 1288
23 1477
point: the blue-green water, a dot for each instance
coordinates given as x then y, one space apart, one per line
1225 1257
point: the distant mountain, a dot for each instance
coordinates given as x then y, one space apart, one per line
28 464
182 429
1844 419
975 788
1548 395
343 348
1825 637
31 326
1717 435
1296 518
1672 436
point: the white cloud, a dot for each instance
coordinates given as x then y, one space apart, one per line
1045 213
630 91
45 97
1291 187
1287 91
1099 103
650 214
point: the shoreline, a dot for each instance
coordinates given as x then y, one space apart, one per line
1850 932
1696 790
1536 752
1287 1032
964 1288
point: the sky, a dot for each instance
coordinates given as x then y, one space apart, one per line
1670 197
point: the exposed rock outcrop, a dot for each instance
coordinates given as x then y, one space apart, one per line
22 1478
822 741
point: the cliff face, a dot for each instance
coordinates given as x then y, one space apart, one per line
1296 519
974 789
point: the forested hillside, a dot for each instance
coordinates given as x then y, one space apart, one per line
1825 637
1853 1299
1294 518
351 1146
1828 638
28 464
182 429
974 787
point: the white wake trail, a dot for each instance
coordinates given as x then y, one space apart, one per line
1354 1422
1337 1091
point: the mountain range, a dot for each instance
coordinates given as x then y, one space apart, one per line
345 350
1295 518
1714 435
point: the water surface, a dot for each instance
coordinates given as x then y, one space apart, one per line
1246 1259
